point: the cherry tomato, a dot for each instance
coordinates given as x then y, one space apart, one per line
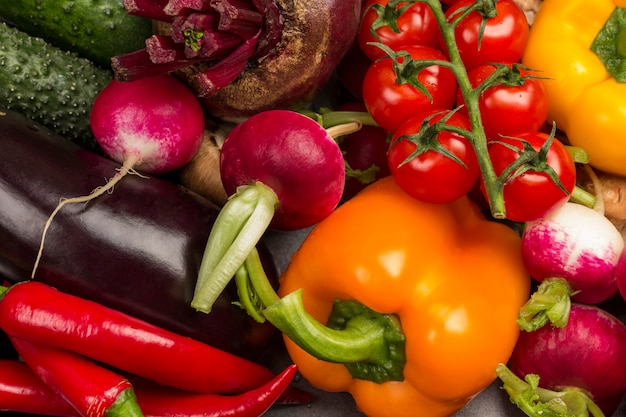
504 38
516 104
417 26
533 194
391 101
432 176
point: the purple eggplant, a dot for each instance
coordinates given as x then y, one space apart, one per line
137 249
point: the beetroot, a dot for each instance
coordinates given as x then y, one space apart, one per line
589 353
244 56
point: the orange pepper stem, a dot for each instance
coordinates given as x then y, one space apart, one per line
551 303
536 401
368 343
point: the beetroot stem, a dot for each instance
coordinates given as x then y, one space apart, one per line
234 236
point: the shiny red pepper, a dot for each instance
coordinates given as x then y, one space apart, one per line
39 313
94 391
22 391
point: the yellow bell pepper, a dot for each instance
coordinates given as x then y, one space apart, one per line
453 280
586 100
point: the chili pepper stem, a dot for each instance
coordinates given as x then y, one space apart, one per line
536 401
238 229
125 405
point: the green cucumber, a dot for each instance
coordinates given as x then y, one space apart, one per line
94 29
49 85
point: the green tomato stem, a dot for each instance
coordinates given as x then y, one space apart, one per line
493 186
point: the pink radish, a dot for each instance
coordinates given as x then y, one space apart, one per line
620 274
282 170
587 356
152 125
573 252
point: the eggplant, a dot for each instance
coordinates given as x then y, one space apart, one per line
137 249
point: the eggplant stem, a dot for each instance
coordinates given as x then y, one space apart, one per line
217 272
126 168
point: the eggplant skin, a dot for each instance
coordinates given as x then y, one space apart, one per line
137 249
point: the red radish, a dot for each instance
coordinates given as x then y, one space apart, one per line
589 353
282 170
152 125
620 274
579 247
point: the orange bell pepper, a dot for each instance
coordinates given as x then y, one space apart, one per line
451 280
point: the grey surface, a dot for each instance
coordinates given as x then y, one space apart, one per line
492 402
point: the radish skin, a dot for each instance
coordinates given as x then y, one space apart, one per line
282 170
152 125
578 244
589 353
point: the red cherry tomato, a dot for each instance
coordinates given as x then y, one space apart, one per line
417 26
433 176
504 38
391 101
517 104
533 194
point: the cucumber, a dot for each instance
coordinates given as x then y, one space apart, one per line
94 29
49 85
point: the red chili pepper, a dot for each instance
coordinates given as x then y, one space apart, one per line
39 313
168 402
94 391
22 391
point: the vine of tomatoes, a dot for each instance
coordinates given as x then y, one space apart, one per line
480 44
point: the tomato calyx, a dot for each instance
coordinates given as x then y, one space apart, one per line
406 69
388 16
486 9
427 138
508 75
530 160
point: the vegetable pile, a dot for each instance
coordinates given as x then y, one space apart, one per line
455 181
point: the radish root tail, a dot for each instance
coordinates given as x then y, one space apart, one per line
125 169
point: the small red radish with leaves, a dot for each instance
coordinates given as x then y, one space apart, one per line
152 125
283 170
